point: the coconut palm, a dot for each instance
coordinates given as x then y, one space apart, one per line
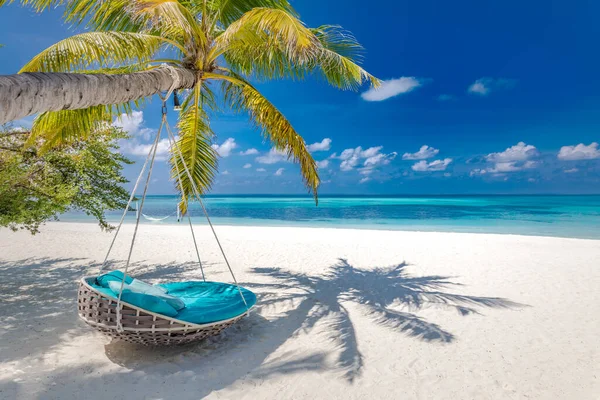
138 48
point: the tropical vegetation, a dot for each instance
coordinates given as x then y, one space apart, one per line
36 186
213 48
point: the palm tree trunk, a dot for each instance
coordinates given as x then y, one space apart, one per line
30 93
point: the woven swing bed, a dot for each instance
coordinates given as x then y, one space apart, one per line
109 313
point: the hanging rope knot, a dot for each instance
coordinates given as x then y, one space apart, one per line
176 80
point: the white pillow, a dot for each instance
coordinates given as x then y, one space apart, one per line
137 286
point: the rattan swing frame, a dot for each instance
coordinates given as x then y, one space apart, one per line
138 325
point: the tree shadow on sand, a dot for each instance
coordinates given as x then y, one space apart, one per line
389 295
290 304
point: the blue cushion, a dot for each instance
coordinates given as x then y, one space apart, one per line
112 276
207 302
145 301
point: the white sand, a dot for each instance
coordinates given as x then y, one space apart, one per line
343 314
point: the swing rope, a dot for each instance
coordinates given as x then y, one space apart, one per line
137 221
151 159
197 195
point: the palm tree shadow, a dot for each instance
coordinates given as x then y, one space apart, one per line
389 295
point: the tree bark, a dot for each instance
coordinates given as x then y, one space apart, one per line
30 93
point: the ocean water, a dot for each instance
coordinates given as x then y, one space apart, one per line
560 216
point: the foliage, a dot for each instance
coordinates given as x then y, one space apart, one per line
83 175
228 41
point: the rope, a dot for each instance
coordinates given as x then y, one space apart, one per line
172 143
137 182
197 195
137 221
174 86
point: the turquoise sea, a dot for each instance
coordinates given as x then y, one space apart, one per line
561 216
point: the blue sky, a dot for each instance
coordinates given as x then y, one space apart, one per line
504 95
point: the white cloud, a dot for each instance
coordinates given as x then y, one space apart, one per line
249 152
437 165
323 164
279 172
324 145
447 174
272 157
518 152
226 148
141 149
261 170
246 166
513 159
579 152
391 88
363 180
484 86
372 156
424 153
571 171
226 172
133 124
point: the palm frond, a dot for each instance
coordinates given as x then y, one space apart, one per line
195 145
228 11
38 5
292 36
242 96
55 128
338 58
91 48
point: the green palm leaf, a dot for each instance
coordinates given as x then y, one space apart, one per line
242 96
87 49
195 145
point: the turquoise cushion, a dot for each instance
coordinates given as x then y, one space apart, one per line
112 276
207 302
145 301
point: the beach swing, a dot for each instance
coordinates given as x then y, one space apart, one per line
166 314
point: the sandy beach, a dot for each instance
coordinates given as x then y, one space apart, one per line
342 314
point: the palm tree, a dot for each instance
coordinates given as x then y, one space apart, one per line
138 48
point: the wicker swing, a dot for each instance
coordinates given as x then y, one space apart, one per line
131 323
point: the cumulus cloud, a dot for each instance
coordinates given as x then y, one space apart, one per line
437 165
246 166
513 159
579 152
226 148
272 157
279 172
226 172
391 88
249 152
323 164
372 157
133 124
261 170
142 149
571 170
484 86
424 153
518 152
323 145
363 180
